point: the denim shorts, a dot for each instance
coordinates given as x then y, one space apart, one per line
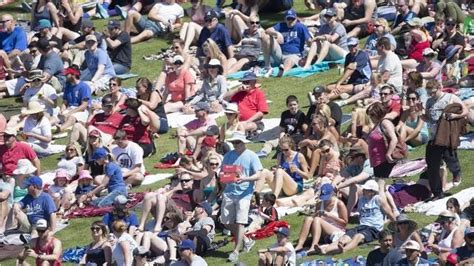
164 127
146 24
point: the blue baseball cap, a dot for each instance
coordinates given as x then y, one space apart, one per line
207 207
33 181
249 75
326 192
283 230
291 13
100 153
187 244
43 24
352 41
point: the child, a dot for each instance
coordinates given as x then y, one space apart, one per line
280 253
62 196
84 186
267 210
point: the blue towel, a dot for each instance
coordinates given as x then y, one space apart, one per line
466 93
74 255
297 72
357 261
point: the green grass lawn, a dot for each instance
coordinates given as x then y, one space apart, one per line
77 233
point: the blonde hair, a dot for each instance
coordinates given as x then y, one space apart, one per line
384 23
287 139
119 226
213 48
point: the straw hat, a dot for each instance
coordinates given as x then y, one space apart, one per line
402 218
34 107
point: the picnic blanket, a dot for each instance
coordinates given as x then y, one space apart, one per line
179 119
467 142
436 207
93 211
408 168
297 72
353 261
466 93
54 148
150 179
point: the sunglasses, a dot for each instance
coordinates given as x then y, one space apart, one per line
5 21
33 51
176 47
384 93
40 230
208 20
214 164
108 106
284 150
325 151
246 82
377 25
450 24
290 19
95 228
254 22
113 84
185 180
70 149
412 98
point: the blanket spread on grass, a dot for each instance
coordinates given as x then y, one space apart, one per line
297 72
467 142
92 211
150 179
408 168
436 207
179 119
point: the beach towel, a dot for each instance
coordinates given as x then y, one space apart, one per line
127 76
179 119
54 148
436 207
467 142
466 93
267 230
408 168
74 255
93 211
150 179
297 72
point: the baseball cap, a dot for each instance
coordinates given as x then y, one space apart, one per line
33 181
91 37
207 207
450 20
187 244
43 24
211 14
100 153
212 130
113 24
283 230
291 13
319 89
371 185
209 141
326 192
331 12
231 108
87 23
41 224
120 200
249 75
352 41
412 244
43 44
202 106
178 58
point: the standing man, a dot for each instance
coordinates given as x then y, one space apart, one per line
283 44
434 112
217 32
237 196
119 47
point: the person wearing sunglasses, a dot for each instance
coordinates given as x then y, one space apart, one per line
414 83
450 36
413 129
236 19
448 237
218 33
404 15
283 44
391 102
46 249
430 67
99 251
117 97
404 230
13 39
251 46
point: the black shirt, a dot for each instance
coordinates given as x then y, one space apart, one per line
336 114
376 257
121 54
457 39
292 123
464 253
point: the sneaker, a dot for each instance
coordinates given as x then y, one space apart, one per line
262 154
248 245
456 180
121 11
101 10
233 257
267 72
26 7
341 103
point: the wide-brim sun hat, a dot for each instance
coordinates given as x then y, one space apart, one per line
35 74
402 218
231 108
238 136
371 185
24 167
34 107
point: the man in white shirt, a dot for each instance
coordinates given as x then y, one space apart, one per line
163 17
389 65
283 249
129 156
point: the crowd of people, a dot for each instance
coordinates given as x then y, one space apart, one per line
409 85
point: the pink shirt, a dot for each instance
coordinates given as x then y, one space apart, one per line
176 83
196 123
377 147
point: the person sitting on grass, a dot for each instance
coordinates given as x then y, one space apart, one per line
412 128
283 249
404 230
188 258
447 237
466 253
377 256
84 186
61 194
99 251
413 251
72 160
121 212
195 129
129 156
372 206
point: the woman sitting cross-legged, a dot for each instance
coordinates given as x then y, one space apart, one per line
413 130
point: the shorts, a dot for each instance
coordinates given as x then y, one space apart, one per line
278 58
147 148
383 170
79 116
358 88
146 24
164 127
370 233
14 86
235 210
424 138
299 189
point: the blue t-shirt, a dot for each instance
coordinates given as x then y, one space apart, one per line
294 38
38 208
404 18
76 94
13 40
100 57
370 212
82 190
130 220
250 164
363 70
113 171
219 34
371 44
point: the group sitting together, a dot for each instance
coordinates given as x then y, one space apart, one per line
406 87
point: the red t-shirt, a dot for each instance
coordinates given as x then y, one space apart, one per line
395 105
107 124
135 130
10 157
250 102
176 83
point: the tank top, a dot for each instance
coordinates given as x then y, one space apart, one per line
371 212
445 241
95 255
414 123
251 44
46 250
286 166
335 212
229 131
74 27
377 147
39 15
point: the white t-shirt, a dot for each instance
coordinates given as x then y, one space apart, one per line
129 156
391 64
290 257
42 128
117 254
31 94
71 165
170 12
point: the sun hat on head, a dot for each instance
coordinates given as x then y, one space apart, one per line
238 136
446 216
231 108
34 107
61 173
35 74
24 167
371 185
402 218
85 174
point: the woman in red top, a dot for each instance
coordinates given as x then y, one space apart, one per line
47 249
135 124
420 40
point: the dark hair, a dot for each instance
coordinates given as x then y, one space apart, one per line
384 233
116 79
416 77
385 43
376 109
325 142
120 134
178 41
433 84
145 82
291 98
107 99
455 203
132 103
417 95
103 227
389 86
270 198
